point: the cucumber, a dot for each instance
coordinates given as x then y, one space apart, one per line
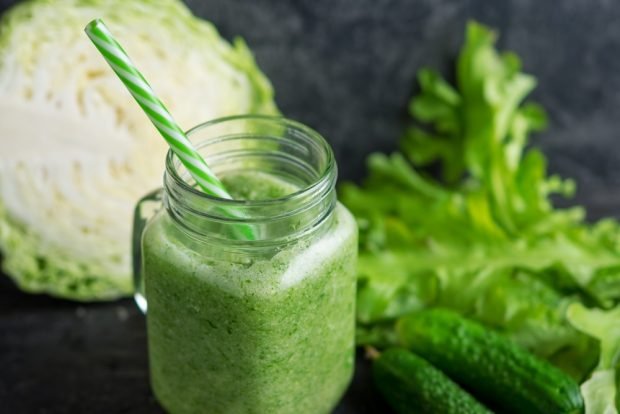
413 386
490 366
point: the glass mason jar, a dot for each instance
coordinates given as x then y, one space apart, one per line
260 325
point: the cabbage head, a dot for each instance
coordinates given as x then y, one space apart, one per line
76 152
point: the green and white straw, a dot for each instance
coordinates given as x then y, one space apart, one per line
154 108
139 88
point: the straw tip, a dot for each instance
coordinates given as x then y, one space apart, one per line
93 25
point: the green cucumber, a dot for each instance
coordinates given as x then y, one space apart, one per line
413 386
491 367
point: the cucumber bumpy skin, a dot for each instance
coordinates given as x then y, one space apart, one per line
413 386
491 367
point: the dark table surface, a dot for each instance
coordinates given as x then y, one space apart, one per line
59 356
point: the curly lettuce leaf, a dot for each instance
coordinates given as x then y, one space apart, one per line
462 217
600 391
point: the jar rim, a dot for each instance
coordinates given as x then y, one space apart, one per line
322 179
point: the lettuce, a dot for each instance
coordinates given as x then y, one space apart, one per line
75 150
600 391
462 217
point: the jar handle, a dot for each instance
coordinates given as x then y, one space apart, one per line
146 208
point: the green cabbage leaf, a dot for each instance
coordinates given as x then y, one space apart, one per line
76 152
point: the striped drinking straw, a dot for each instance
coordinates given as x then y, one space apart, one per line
154 108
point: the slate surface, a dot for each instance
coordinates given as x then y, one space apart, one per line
346 68
62 357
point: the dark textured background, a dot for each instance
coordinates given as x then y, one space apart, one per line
346 68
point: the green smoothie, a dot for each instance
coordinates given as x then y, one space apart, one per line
274 334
